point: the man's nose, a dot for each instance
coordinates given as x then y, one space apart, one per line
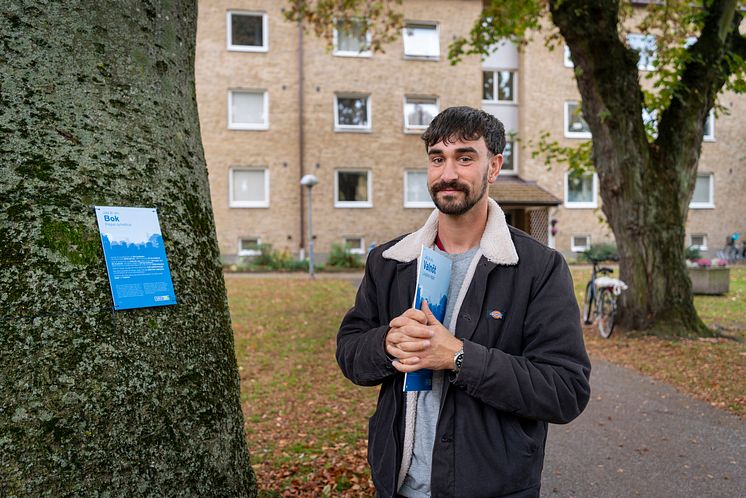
449 171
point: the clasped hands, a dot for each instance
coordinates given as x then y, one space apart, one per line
418 340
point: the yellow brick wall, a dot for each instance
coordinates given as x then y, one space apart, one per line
386 151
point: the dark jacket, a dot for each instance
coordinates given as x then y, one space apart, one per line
521 369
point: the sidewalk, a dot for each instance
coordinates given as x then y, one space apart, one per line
641 437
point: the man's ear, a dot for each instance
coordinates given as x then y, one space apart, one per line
496 163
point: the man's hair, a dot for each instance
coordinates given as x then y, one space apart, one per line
466 124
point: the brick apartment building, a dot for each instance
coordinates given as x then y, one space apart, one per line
275 105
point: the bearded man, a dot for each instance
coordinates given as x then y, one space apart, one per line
508 358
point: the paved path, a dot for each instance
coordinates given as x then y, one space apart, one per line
641 437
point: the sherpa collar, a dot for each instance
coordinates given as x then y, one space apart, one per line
496 244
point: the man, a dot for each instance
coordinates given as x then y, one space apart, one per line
510 358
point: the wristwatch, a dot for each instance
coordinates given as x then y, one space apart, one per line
458 359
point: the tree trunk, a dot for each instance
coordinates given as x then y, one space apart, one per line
646 188
97 107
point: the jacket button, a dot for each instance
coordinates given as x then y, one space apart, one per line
445 439
466 316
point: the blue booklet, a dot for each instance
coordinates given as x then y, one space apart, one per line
433 280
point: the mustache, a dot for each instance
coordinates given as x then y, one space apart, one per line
453 185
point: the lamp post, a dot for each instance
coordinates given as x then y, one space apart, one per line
309 181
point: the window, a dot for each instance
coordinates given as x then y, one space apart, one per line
580 243
248 110
646 47
247 31
352 189
709 134
249 246
354 245
421 40
575 125
580 190
499 86
419 111
416 194
352 113
567 57
249 187
509 158
703 196
351 39
698 241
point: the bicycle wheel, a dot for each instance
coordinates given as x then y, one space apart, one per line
606 313
588 303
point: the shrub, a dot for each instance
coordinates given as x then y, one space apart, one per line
692 253
340 257
601 252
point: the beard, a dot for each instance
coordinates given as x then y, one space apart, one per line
450 204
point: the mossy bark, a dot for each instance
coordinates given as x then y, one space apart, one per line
646 187
97 107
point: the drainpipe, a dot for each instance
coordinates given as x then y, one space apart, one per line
301 136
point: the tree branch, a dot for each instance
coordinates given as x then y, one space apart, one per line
607 76
703 75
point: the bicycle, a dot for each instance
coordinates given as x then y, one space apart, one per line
601 293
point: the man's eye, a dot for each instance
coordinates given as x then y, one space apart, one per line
436 160
465 159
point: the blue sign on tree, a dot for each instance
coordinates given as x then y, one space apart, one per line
135 257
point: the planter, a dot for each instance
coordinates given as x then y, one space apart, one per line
710 280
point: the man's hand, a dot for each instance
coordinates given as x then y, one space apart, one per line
418 340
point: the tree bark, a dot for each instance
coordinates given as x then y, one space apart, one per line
646 188
97 107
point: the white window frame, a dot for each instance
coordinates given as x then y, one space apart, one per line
567 57
581 205
495 98
368 111
248 126
640 66
577 248
703 246
415 204
513 171
354 250
709 132
246 48
248 204
711 203
573 134
434 24
249 252
348 53
353 204
417 128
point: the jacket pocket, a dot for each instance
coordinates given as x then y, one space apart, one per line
515 427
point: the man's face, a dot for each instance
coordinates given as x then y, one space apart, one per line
458 174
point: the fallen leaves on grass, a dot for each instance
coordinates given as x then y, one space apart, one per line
306 424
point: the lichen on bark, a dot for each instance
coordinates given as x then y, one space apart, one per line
97 107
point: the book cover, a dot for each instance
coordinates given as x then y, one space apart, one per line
433 279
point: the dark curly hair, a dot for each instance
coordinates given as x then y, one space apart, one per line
466 124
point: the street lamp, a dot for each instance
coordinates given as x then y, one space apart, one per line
309 181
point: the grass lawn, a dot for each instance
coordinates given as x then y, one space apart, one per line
306 423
